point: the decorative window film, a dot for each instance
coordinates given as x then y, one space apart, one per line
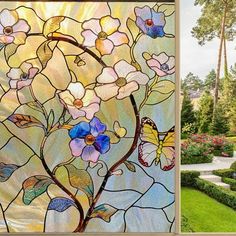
87 116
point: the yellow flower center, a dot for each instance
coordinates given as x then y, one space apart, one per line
121 82
89 139
8 30
78 103
102 35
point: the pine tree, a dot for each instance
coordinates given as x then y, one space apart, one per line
205 112
219 123
187 112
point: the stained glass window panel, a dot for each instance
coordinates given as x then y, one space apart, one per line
87 116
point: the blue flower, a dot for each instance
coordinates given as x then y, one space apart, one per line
88 140
150 22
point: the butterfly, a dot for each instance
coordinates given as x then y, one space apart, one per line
156 146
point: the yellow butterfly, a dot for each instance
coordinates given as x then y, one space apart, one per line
156 146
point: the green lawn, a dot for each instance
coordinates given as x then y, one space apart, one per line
200 213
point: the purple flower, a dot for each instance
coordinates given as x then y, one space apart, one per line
150 22
88 140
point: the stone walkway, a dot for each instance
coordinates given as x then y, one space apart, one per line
206 169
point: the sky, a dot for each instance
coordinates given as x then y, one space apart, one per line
195 58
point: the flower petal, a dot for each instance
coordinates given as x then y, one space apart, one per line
158 18
102 143
137 76
80 130
118 38
171 62
90 154
67 98
13 83
22 26
6 39
107 91
89 38
123 68
90 97
127 90
162 57
32 72
75 112
97 127
93 25
77 90
159 72
155 31
77 145
1 29
108 75
8 18
104 46
153 63
109 24
141 24
14 73
24 83
90 110
172 71
19 37
144 13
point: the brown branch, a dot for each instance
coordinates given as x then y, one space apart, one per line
58 183
82 226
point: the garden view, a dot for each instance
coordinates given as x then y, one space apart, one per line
208 117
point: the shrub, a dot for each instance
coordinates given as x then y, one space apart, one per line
228 173
188 178
221 194
231 182
194 153
233 166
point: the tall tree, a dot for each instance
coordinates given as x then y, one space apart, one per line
205 112
191 82
209 82
218 19
187 112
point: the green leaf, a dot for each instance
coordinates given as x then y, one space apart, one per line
50 120
44 53
35 106
34 187
10 49
132 27
167 9
81 180
160 92
6 170
24 121
113 136
52 25
104 212
130 166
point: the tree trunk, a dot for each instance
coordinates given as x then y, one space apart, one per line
225 60
222 32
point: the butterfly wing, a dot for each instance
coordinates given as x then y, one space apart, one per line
168 150
149 142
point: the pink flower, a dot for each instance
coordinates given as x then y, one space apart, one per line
162 64
120 81
23 76
103 34
12 29
80 102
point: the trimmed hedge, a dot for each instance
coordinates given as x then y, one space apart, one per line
222 195
188 178
231 182
228 173
233 166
